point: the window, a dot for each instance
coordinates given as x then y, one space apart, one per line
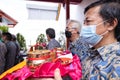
39 12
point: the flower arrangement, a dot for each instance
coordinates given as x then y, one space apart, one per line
40 45
40 42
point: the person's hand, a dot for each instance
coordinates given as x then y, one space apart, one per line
57 76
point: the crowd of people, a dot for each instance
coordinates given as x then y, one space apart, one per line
9 49
96 42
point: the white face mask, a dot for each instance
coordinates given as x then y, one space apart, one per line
88 33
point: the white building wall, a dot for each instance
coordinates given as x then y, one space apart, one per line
76 11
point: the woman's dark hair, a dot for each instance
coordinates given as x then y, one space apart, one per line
8 35
109 11
106 1
97 3
50 32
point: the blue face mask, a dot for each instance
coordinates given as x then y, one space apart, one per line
88 33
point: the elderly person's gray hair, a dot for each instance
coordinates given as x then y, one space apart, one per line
76 24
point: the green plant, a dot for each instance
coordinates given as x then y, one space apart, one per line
22 41
4 28
40 42
41 38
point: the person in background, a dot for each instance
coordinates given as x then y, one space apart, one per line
76 43
11 50
52 43
3 51
18 55
16 43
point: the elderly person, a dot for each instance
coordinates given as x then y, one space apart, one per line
76 43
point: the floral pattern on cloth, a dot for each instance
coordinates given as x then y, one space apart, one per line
79 47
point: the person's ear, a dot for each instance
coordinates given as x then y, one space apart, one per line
113 25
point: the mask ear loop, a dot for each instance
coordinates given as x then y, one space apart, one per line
104 33
102 22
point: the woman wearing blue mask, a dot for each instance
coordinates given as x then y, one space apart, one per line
101 31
